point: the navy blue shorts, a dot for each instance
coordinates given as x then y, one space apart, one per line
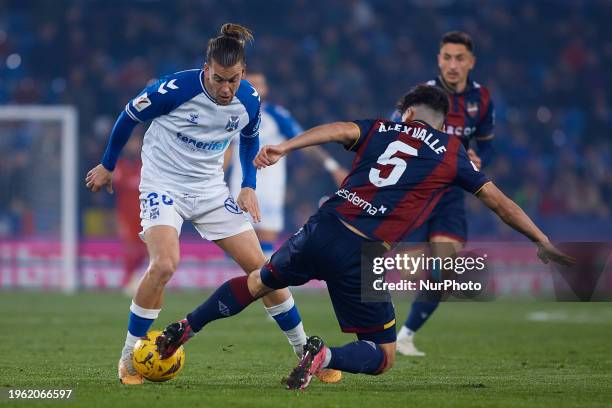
324 249
447 219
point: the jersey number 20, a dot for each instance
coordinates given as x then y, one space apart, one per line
387 159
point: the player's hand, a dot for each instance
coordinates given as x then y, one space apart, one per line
474 158
247 201
339 175
268 155
548 252
99 177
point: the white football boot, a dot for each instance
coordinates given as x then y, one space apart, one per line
405 345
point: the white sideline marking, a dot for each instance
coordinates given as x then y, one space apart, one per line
604 316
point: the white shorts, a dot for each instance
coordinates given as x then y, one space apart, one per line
214 217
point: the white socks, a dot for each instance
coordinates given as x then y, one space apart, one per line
144 313
405 332
328 355
297 339
288 319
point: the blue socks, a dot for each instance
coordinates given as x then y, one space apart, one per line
141 319
285 314
139 326
361 356
229 299
139 323
419 313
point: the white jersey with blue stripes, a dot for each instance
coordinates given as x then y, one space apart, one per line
184 146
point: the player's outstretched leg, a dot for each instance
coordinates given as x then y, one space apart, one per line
173 337
228 300
245 249
360 357
163 246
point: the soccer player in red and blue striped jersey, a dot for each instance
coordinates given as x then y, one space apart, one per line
399 173
471 119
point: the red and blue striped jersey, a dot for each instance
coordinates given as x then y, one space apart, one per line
471 113
399 173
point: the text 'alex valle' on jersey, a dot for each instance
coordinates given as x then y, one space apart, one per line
416 133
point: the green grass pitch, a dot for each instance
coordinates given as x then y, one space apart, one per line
479 355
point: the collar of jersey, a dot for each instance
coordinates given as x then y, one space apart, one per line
468 85
421 122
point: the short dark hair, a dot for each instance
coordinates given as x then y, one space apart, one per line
430 96
227 48
458 37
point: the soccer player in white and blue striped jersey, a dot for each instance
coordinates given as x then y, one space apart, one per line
194 116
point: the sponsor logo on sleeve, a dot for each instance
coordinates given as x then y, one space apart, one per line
142 102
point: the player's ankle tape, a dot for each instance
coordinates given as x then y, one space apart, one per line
284 307
145 313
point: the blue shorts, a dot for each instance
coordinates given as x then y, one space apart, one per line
447 219
324 249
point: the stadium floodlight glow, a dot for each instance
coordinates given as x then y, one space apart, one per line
67 116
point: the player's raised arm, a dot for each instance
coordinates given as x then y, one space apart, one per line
155 100
472 180
101 176
514 216
346 133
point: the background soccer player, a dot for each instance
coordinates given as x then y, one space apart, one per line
126 181
399 172
277 125
470 118
194 115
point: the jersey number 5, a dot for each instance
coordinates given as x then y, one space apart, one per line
387 159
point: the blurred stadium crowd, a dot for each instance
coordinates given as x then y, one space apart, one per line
546 63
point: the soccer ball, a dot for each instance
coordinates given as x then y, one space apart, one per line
147 362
